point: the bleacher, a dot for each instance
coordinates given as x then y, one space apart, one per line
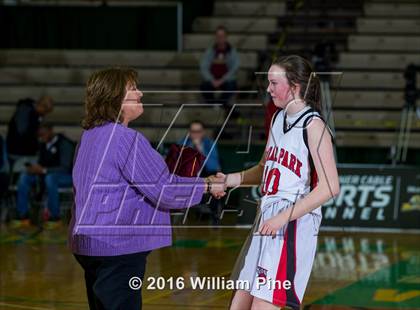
385 41
375 40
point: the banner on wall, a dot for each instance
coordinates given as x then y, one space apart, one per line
375 196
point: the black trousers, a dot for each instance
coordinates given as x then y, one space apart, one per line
107 280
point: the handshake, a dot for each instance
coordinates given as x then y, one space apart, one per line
217 184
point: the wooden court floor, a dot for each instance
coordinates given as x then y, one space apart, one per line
351 270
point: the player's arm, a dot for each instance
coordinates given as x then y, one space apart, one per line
248 177
321 148
251 176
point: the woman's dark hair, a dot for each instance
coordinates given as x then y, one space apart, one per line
221 28
105 91
196 121
299 71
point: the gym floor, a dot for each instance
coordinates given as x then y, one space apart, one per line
351 271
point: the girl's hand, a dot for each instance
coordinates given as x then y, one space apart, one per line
271 226
231 179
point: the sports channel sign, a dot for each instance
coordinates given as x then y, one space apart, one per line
375 196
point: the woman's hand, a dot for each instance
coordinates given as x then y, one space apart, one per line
218 185
271 226
228 180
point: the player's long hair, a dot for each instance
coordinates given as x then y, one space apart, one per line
299 71
105 91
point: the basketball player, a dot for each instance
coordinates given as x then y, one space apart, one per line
298 174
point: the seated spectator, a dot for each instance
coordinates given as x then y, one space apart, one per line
53 170
4 169
22 140
201 142
218 69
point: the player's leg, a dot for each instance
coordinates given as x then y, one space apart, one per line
242 300
260 304
245 267
306 241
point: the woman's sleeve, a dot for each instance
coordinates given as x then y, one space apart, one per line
144 168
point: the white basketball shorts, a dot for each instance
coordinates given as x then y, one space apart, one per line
278 269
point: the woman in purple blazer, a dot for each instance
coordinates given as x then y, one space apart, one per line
123 193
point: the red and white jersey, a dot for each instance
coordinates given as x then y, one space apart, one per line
289 175
287 172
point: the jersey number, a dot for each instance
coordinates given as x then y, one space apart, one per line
271 181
